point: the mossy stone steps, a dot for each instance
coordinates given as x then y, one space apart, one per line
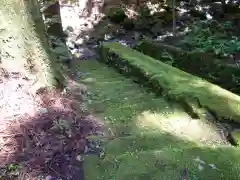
139 153
172 82
140 158
124 98
200 64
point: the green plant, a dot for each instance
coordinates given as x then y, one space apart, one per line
10 171
12 167
213 37
169 58
128 24
116 14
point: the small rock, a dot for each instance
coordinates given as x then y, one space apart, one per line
89 101
70 44
66 91
124 43
43 110
212 166
80 41
85 149
107 37
70 29
49 177
199 160
81 74
120 32
101 155
79 158
200 167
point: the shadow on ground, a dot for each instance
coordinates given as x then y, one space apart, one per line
50 143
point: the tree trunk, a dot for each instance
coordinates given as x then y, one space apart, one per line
174 17
53 16
23 42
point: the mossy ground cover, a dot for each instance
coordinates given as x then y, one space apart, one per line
141 153
117 99
172 82
200 64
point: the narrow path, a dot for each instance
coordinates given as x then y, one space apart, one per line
122 102
151 137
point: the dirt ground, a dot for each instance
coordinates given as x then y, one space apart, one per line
43 134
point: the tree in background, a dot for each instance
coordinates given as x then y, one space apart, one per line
174 16
24 46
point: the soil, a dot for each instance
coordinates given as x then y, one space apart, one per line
43 134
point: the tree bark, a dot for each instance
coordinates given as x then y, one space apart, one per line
23 42
53 16
174 16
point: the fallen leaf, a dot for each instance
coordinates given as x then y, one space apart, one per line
43 110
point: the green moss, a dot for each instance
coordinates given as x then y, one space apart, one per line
199 64
142 153
119 99
236 136
163 156
174 83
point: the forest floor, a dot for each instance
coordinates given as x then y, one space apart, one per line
42 133
149 135
45 134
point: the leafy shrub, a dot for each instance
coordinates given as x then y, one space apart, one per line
128 24
116 14
213 37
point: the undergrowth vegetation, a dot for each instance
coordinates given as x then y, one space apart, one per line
213 37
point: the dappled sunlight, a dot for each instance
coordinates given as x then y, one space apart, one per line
56 133
182 126
223 93
16 46
154 8
144 135
187 86
131 12
16 100
81 17
227 95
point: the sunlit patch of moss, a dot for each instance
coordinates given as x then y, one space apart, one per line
172 82
160 155
142 149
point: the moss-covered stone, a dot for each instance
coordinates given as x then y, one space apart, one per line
236 136
144 145
199 64
172 82
126 159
